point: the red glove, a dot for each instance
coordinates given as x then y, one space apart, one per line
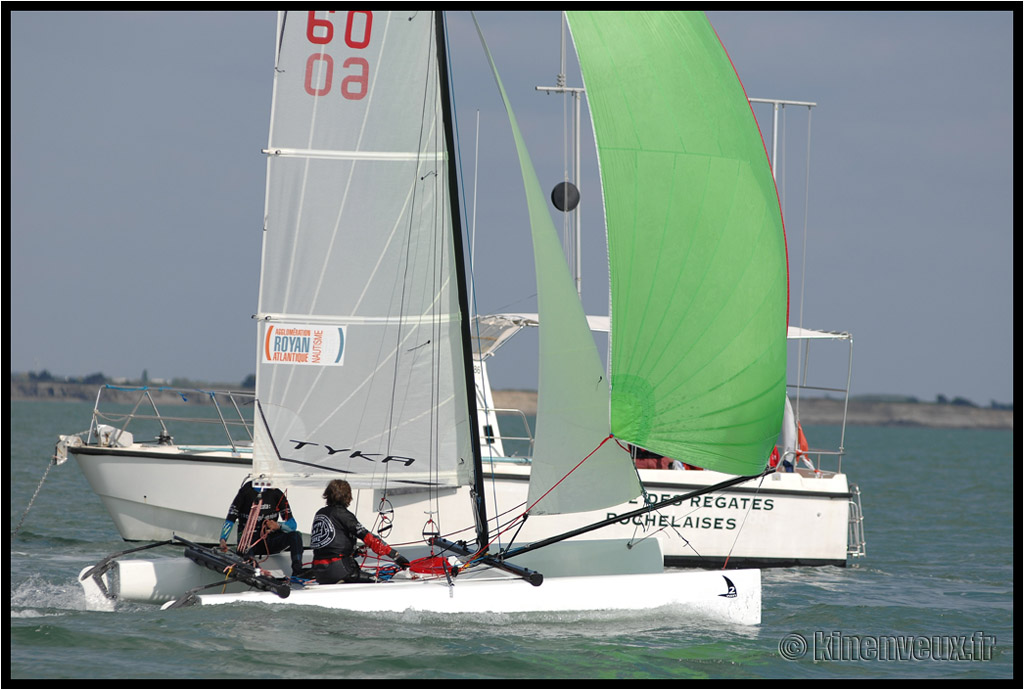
377 544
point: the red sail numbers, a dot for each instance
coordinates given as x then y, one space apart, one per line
353 30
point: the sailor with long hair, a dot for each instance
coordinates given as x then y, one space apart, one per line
334 534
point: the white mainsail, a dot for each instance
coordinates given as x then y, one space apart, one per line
359 367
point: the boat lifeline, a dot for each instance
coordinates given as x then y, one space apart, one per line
156 489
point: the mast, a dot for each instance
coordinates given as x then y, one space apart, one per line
480 508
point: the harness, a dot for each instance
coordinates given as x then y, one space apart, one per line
245 541
326 561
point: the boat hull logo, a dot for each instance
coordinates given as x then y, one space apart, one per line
303 344
731 592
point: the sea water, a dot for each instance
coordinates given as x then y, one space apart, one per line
932 599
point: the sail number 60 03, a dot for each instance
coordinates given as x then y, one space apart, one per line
320 66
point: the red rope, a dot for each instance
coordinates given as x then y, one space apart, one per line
512 523
609 437
432 565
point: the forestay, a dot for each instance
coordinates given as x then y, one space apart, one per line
576 466
360 353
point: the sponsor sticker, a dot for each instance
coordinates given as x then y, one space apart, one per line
289 343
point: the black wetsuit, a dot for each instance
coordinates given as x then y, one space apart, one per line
334 534
274 506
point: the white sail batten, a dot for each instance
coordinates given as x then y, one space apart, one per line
359 360
339 320
351 155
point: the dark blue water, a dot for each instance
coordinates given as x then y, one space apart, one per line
933 598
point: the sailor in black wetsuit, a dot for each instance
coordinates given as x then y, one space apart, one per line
274 523
334 534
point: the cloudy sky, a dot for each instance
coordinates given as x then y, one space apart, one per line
136 186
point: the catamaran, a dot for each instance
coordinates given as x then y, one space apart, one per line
366 368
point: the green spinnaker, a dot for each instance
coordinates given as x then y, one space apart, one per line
697 252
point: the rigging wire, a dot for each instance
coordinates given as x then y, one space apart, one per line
520 521
567 242
742 523
804 346
428 120
441 225
471 242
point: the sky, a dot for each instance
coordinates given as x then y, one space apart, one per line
136 186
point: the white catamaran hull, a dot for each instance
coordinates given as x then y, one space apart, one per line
733 596
801 518
635 583
157 580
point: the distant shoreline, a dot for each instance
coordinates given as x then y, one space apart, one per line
812 410
829 411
